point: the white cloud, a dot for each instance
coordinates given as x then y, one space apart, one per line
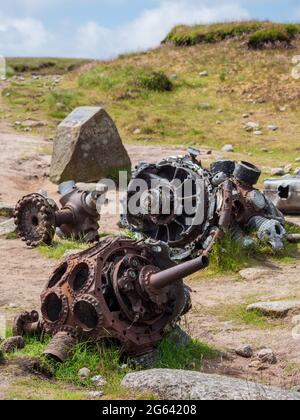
26 36
29 36
151 27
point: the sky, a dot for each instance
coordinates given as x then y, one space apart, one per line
103 29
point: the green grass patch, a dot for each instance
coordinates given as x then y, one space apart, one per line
239 314
183 35
62 102
271 37
125 81
230 256
106 360
58 248
184 357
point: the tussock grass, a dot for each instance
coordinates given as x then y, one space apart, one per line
238 313
106 360
45 65
260 33
61 103
229 256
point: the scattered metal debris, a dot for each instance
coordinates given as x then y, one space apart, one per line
37 217
121 289
229 200
284 193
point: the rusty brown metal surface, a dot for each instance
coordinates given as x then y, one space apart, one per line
37 218
111 292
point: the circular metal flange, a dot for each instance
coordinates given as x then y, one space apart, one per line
35 220
159 297
79 284
85 317
60 316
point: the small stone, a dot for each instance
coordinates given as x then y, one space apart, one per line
258 365
7 227
124 367
296 59
245 351
219 122
220 111
265 150
205 106
258 133
283 109
267 356
99 381
254 273
272 127
297 159
252 126
275 309
12 344
137 131
173 76
294 238
94 395
287 169
84 373
277 172
246 116
12 306
228 148
203 73
32 124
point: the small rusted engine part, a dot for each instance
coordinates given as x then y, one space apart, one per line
37 217
61 346
246 173
27 323
122 290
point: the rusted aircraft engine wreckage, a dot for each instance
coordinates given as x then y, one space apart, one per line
132 291
38 218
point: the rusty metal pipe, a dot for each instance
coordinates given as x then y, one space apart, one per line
60 346
64 217
167 277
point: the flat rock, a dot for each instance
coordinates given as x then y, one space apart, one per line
186 385
278 172
88 148
275 309
254 273
7 227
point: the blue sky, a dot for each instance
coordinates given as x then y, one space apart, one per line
105 28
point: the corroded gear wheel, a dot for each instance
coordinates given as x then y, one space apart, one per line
35 220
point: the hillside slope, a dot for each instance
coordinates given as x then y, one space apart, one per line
178 104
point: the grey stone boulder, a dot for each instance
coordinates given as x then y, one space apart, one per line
88 148
245 351
275 309
187 385
7 227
